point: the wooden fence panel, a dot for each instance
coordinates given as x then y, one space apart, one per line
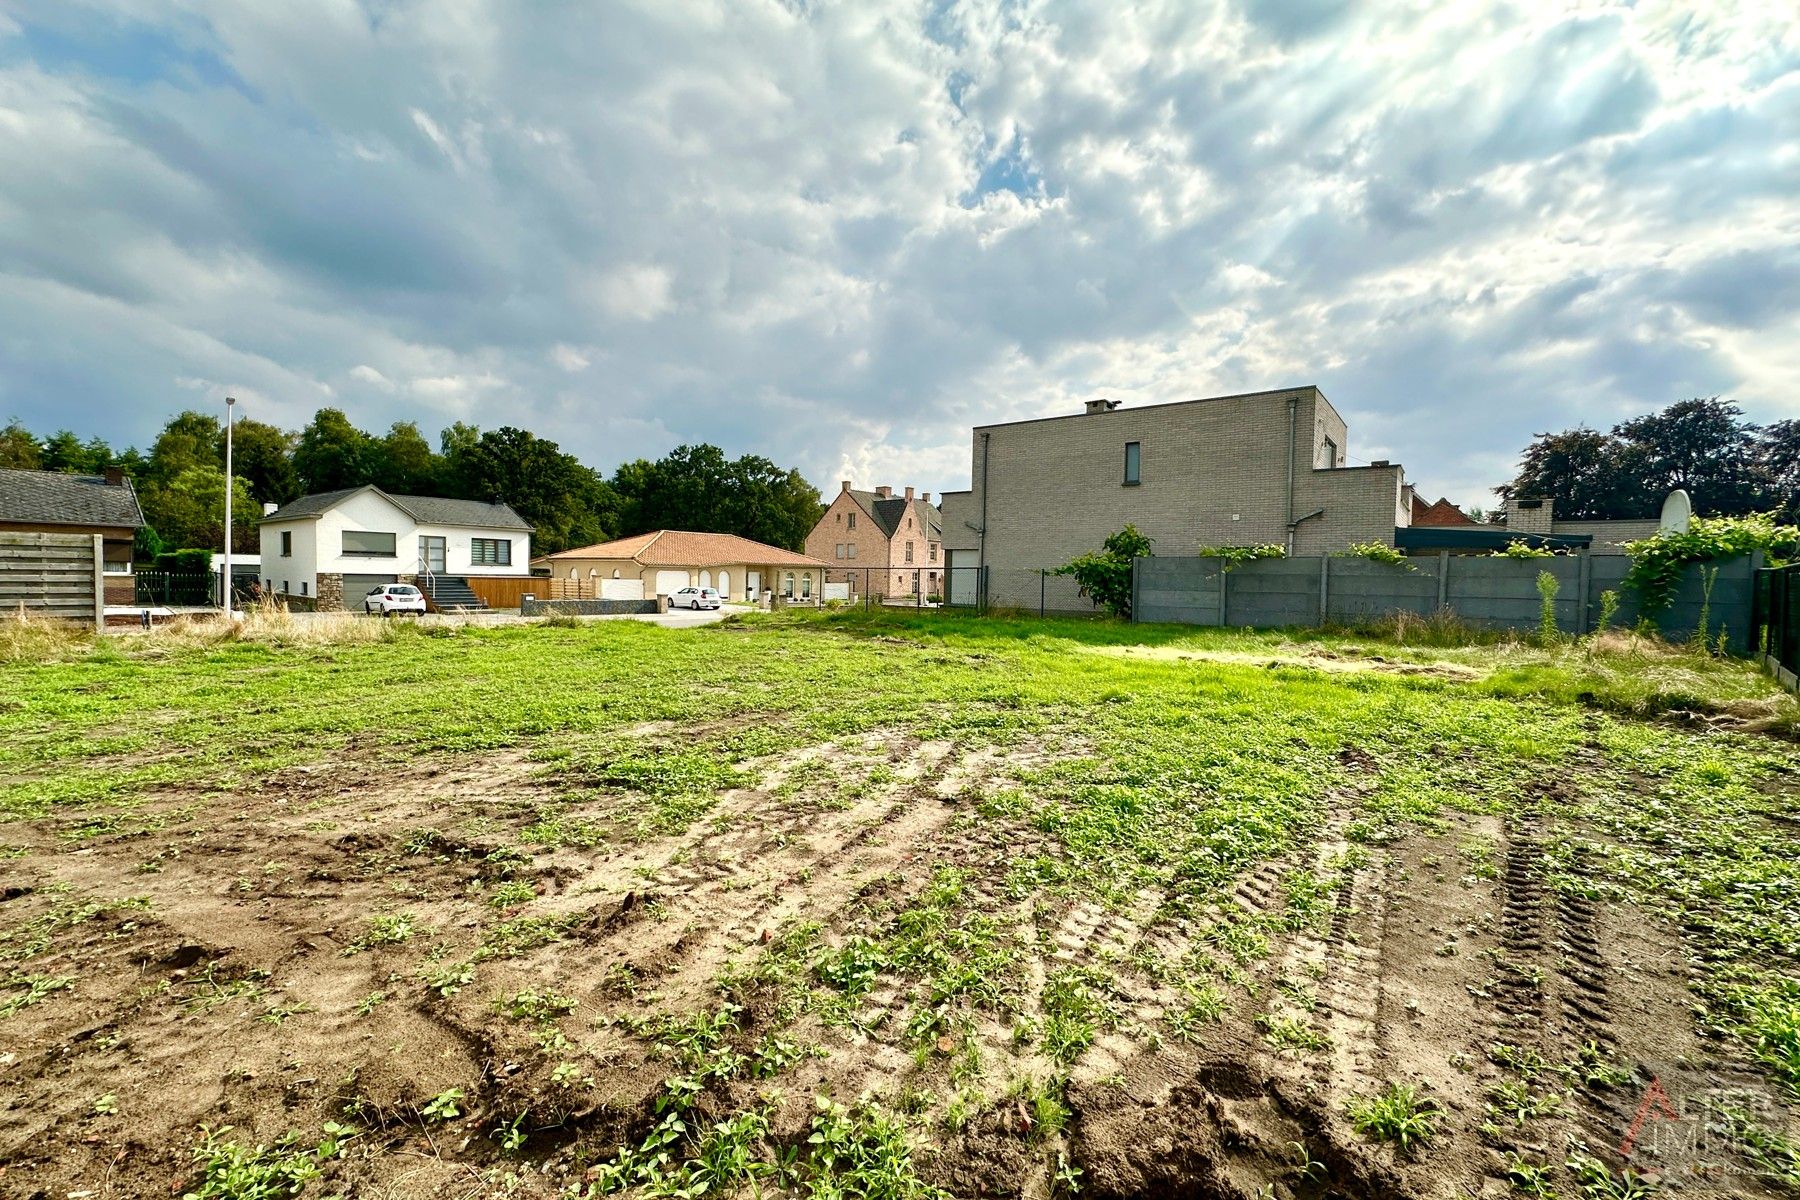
53 575
508 591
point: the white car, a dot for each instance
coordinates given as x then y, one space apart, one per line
391 598
695 597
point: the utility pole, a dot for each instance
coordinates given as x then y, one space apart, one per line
225 582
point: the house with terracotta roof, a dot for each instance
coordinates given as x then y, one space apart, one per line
664 561
1441 513
890 545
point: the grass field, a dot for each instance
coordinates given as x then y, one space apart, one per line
892 906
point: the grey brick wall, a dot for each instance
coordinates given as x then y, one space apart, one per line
1212 472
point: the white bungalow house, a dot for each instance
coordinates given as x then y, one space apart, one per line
329 550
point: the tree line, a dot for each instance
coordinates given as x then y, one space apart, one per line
181 480
1729 467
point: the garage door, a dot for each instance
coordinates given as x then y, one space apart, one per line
670 582
358 586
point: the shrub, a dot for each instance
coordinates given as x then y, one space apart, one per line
1379 552
1105 578
184 561
1657 562
1235 555
1518 548
1609 608
1547 588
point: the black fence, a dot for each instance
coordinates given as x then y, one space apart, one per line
1776 619
890 587
192 589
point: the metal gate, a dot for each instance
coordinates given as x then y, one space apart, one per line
1777 618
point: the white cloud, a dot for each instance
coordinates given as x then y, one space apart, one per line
569 358
639 292
364 373
839 235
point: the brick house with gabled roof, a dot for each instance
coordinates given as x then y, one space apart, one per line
891 545
1441 513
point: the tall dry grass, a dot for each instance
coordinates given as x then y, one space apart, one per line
32 638
27 637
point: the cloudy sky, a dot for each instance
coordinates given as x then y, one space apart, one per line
839 232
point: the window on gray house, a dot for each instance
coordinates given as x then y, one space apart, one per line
1131 464
490 552
363 543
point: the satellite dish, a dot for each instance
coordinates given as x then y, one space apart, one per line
1677 511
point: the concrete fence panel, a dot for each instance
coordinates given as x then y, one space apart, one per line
1502 593
58 575
1280 591
1494 592
1360 589
1185 591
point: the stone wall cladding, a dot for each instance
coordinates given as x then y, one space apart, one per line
586 608
329 592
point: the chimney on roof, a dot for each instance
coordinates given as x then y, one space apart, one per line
269 508
1101 405
1381 462
845 487
925 497
115 476
1530 514
884 491
909 493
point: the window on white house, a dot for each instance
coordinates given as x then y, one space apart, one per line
287 543
303 587
1133 455
490 552
365 543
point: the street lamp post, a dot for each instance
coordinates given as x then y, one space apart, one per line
225 583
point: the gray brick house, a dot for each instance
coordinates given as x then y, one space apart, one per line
1227 470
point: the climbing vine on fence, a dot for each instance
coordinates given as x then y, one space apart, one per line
1658 561
1235 556
1379 552
1519 548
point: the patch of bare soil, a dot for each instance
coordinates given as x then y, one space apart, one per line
1317 658
428 950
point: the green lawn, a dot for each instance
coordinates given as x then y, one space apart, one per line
1142 774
